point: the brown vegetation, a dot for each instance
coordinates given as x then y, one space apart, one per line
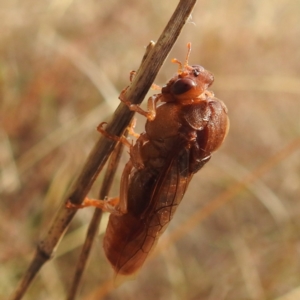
63 64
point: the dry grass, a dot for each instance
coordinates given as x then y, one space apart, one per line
62 66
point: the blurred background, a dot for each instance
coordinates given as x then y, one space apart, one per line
63 64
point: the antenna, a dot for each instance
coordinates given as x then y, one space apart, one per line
186 62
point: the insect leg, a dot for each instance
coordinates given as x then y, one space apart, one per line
121 139
131 127
116 205
135 151
108 205
151 105
153 86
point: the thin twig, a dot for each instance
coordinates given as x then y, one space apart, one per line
96 219
103 148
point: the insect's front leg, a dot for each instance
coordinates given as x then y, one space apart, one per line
151 105
153 86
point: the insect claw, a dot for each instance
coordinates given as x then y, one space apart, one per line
122 98
106 134
131 75
108 205
155 87
71 205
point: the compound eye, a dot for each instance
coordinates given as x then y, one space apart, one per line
182 85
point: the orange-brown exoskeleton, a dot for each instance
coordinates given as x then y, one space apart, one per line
185 124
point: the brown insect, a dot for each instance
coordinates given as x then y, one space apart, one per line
181 133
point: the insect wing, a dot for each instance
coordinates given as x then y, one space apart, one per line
166 196
138 235
169 191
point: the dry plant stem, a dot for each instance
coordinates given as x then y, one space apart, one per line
96 219
94 224
103 148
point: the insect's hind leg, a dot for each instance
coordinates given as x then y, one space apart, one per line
116 205
108 205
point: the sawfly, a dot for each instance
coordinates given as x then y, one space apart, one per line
185 124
